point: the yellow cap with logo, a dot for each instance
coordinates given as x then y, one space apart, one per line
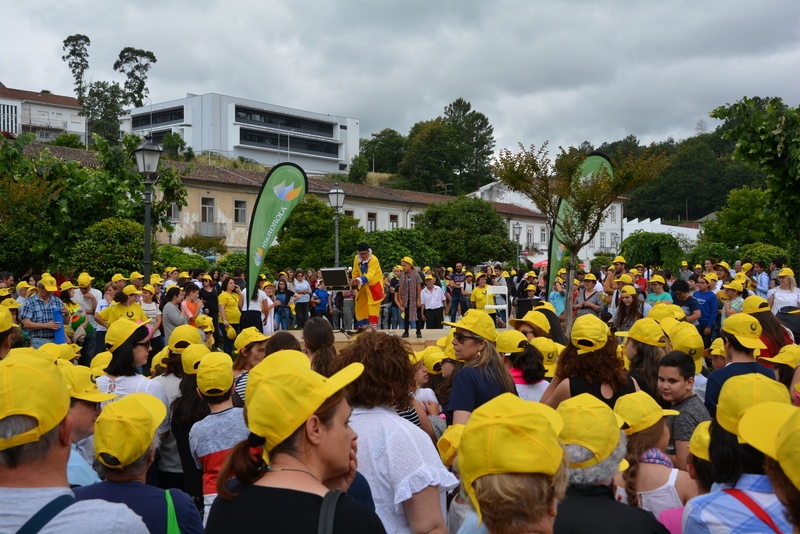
590 423
757 428
477 322
640 411
646 331
739 393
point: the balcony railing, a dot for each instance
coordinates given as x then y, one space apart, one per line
210 229
42 122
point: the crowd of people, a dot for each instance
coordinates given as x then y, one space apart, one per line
185 405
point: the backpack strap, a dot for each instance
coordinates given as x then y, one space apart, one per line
328 511
754 507
46 514
172 518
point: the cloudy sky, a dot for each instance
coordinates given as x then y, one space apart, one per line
564 71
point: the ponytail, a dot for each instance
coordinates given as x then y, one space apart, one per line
243 464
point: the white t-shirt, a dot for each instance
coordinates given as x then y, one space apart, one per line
783 297
254 305
102 304
18 505
152 311
427 395
398 460
125 385
269 328
170 459
84 303
532 392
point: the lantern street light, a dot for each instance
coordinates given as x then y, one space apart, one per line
148 158
336 200
517 232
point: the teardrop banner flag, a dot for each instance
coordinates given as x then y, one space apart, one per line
556 250
285 186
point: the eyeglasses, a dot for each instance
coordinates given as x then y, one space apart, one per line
524 332
459 337
143 344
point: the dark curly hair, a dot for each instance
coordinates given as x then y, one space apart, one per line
602 365
388 376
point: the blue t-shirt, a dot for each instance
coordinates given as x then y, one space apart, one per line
471 388
708 307
689 306
322 297
149 502
718 377
458 278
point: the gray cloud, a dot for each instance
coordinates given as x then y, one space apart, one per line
565 71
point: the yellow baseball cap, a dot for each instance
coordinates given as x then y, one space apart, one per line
509 435
449 269
148 287
591 277
736 286
533 317
590 423
135 275
634 272
284 399
717 348
786 272
701 440
546 305
684 263
739 393
131 290
184 274
757 428
444 341
698 266
397 268
657 279
619 259
640 411
477 322
646 331
755 304
157 360
661 310
205 323
191 356
24 285
58 351
269 364
31 386
6 321
746 267
788 355
746 329
550 351
117 277
66 286
11 304
247 336
185 333
407 259
49 284
688 339
531 274
125 429
431 356
82 385
511 341
628 290
428 277
119 331
156 279
711 276
723 264
589 333
214 374
449 442
100 362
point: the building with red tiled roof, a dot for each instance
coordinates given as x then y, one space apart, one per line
45 114
221 201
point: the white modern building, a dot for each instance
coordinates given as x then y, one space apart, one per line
45 114
266 133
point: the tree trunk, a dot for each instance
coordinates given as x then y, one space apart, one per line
569 285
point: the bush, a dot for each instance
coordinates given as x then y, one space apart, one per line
204 246
761 251
390 246
651 248
601 259
110 246
232 260
68 140
705 249
169 256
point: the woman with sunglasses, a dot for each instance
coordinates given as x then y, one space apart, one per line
786 294
484 376
129 344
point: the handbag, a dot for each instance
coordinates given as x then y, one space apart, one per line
327 512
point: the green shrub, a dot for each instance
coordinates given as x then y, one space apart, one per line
110 246
169 256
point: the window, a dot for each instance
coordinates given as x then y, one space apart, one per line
174 212
543 235
283 122
349 213
613 219
44 135
240 211
614 240
288 142
591 243
158 117
392 222
76 119
412 222
530 237
207 210
372 221
602 240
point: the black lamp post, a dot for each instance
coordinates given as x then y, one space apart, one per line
148 157
336 200
517 232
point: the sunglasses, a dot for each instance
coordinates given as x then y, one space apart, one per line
459 337
524 332
143 344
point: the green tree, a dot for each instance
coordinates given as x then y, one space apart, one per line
474 144
769 137
649 248
601 259
390 247
743 220
173 144
77 57
708 249
103 106
169 256
134 64
548 183
358 170
110 246
762 252
203 245
384 151
231 261
430 159
307 240
467 230
68 140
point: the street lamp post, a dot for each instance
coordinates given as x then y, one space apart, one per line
148 157
517 232
336 200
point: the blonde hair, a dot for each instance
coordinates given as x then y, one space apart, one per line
512 503
490 360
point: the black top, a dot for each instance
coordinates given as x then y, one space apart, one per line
639 376
593 510
261 509
210 302
192 476
578 385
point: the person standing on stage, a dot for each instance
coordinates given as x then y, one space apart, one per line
368 281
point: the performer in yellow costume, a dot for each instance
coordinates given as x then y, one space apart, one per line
368 281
